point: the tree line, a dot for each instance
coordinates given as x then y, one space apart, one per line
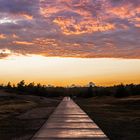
117 91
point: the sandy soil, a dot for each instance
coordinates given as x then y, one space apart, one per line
22 115
118 118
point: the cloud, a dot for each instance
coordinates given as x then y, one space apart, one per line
2 36
23 43
71 28
28 17
16 7
4 53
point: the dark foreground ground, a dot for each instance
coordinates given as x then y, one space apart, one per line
22 115
118 118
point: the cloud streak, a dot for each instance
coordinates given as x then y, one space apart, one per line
72 28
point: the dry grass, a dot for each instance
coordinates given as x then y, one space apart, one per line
119 118
22 115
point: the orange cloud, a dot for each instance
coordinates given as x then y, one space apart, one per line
125 11
23 43
122 12
53 47
4 53
28 17
69 26
76 28
46 12
45 42
135 21
2 36
15 36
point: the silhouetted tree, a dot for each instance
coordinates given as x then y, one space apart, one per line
1 86
9 85
21 85
30 88
73 91
121 91
90 90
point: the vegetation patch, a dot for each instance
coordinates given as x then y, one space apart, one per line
22 115
118 118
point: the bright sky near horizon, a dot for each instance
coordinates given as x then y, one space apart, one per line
63 42
66 71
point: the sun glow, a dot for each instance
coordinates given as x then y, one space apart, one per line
66 71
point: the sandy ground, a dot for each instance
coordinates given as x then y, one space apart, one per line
22 115
118 118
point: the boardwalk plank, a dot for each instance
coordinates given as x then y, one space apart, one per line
69 122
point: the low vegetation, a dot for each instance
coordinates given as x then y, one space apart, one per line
22 115
119 118
117 91
25 107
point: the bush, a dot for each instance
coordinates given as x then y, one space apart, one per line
121 91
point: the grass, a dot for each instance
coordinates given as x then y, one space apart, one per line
118 118
22 115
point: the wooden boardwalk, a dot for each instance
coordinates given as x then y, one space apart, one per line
69 122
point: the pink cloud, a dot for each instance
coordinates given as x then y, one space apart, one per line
71 28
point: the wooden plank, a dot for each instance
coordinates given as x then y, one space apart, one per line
69 122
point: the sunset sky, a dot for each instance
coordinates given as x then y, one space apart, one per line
64 42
